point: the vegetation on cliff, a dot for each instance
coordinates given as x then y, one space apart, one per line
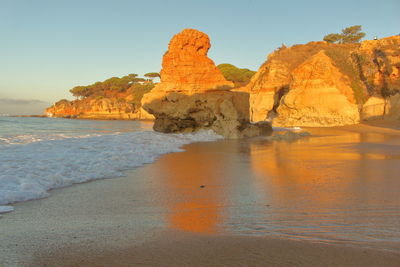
364 70
361 65
351 34
114 85
240 77
113 98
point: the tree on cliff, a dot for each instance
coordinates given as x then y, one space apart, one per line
351 34
115 84
79 91
239 77
152 75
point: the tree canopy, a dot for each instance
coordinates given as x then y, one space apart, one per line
351 34
239 77
112 84
152 75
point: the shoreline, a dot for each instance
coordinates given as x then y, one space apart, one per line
143 219
173 248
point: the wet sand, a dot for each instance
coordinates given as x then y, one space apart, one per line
327 200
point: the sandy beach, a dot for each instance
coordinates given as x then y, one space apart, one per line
327 200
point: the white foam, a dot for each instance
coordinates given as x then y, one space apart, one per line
32 138
30 170
5 209
279 129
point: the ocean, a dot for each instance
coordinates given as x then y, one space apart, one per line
339 185
40 154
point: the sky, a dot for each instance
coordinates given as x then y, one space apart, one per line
49 46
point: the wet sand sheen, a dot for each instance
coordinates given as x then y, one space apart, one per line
226 202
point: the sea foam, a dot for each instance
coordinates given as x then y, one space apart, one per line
30 169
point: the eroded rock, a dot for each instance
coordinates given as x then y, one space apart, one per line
194 95
319 96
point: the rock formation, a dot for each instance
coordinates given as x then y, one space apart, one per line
121 108
315 84
373 108
318 96
378 107
194 95
292 89
186 67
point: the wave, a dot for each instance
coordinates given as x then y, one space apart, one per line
29 171
32 138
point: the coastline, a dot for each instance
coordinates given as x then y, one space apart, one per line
151 219
173 248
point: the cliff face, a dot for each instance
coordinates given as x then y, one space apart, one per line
193 94
112 106
322 84
186 68
318 95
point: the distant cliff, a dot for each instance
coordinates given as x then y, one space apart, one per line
324 84
114 98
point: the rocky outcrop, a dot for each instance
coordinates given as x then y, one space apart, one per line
377 108
194 95
186 67
319 95
104 108
373 108
369 69
225 112
392 108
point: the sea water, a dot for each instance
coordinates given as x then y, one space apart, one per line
39 154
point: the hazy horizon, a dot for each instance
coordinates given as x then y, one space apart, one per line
9 106
49 47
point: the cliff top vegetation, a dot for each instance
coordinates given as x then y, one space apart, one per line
114 85
240 77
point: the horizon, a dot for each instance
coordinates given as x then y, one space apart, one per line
50 47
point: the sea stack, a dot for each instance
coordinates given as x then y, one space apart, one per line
193 94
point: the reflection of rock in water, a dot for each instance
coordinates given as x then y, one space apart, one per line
326 186
288 136
194 194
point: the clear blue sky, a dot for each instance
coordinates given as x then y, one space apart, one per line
50 46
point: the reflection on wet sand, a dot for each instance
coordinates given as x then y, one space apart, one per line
337 185
194 198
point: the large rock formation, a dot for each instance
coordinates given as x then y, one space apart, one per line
186 67
369 69
194 95
318 96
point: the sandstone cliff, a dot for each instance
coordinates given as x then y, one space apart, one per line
104 104
186 67
193 94
318 96
106 108
322 84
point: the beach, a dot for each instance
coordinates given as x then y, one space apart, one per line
330 199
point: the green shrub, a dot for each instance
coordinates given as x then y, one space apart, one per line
240 77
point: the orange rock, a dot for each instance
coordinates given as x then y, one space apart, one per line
193 94
91 108
186 67
360 71
320 95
